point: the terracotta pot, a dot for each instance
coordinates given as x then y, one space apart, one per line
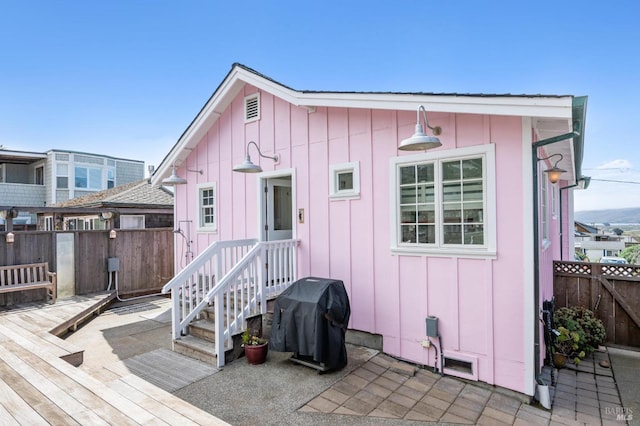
256 354
559 360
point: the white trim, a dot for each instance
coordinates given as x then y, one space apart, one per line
238 77
209 228
486 250
334 170
529 317
262 177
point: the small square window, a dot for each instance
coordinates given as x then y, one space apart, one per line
344 180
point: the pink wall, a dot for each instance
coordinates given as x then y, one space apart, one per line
479 302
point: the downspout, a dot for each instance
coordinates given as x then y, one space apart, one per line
578 124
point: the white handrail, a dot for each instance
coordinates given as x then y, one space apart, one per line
248 272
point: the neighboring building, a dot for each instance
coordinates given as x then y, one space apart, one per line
594 245
466 232
33 179
136 205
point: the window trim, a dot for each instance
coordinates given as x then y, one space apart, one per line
199 188
487 250
334 171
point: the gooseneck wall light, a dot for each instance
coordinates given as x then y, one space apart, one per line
247 166
420 141
174 179
554 172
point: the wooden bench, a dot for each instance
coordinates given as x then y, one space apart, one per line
28 277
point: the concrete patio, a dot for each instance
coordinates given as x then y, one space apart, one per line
373 389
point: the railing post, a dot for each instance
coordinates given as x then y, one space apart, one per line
175 314
261 280
218 306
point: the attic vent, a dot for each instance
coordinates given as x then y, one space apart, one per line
252 108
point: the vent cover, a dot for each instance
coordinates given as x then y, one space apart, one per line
252 108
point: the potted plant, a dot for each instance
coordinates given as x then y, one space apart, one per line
578 333
255 348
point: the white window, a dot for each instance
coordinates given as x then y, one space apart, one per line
207 204
111 177
62 176
344 180
88 178
444 202
131 221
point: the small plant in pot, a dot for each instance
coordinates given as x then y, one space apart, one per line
255 348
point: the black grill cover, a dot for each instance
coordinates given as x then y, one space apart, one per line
310 319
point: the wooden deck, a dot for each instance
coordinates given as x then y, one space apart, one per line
40 385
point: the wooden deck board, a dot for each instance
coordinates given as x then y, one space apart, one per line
51 412
37 387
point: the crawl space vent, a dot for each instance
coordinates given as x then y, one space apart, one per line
461 365
252 108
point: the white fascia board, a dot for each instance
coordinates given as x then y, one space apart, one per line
498 105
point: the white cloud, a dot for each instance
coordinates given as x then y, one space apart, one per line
616 164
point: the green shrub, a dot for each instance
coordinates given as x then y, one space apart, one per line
580 332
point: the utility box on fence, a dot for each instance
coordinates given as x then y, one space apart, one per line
113 264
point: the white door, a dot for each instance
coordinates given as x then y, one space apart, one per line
279 205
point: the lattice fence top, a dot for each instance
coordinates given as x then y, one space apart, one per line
605 269
574 268
618 270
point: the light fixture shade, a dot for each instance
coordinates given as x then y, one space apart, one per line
554 174
174 179
247 167
419 141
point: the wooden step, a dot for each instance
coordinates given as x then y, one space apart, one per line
197 348
54 345
203 329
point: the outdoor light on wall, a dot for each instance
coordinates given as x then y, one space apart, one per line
10 237
248 167
554 172
174 179
420 141
112 234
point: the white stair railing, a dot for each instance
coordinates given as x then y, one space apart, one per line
250 272
266 270
189 287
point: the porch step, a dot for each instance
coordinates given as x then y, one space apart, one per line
196 348
203 329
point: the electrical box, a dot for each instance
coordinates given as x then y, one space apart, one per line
432 326
113 264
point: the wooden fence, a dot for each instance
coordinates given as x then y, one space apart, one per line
145 259
611 291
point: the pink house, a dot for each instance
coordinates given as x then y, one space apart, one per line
465 231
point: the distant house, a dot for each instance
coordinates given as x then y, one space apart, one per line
38 179
136 205
594 244
464 234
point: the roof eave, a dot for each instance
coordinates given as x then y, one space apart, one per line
239 75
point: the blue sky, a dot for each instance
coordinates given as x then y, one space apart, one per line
126 77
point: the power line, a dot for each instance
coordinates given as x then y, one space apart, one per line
616 181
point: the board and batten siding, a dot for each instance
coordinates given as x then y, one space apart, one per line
479 301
